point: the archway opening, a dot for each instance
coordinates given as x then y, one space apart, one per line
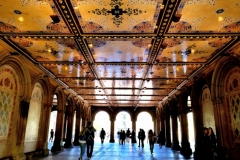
191 137
33 119
145 122
123 122
53 121
102 120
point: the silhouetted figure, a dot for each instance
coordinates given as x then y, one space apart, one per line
122 137
161 139
102 135
213 142
133 137
89 130
143 136
128 134
151 139
206 145
51 135
139 136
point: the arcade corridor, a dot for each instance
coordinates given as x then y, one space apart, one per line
64 61
114 151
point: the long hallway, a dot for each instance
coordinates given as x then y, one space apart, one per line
114 151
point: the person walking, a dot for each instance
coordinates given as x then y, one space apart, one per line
102 135
82 142
51 135
128 134
90 138
133 137
143 136
151 139
139 136
160 139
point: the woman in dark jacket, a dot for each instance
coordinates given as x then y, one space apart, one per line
151 139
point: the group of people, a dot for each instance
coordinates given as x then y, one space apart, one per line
209 144
86 138
151 139
126 136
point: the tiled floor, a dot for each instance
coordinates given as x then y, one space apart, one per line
114 151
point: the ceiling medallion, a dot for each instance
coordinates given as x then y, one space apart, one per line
117 12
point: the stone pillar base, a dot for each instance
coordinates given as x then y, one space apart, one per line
76 143
175 147
56 148
68 145
186 150
112 141
168 144
45 152
19 157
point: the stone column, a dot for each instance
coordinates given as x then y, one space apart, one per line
83 122
77 129
163 129
68 142
157 126
17 151
168 132
112 120
44 131
175 141
134 128
58 141
185 149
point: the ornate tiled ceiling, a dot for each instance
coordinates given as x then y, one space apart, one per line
121 53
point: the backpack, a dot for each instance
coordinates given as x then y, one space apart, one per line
89 134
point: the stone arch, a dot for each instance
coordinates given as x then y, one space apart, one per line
145 110
23 74
9 89
47 88
99 110
196 94
182 100
61 98
220 95
124 110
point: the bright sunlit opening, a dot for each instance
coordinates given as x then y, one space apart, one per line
102 121
145 122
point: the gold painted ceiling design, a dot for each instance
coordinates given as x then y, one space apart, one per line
121 53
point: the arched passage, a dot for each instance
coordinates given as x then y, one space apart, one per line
102 120
145 122
33 121
123 122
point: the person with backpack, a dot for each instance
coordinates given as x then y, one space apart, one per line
89 131
82 142
102 135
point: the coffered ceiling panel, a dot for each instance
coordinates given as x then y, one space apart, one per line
155 92
122 83
121 71
207 16
30 16
190 50
122 98
122 91
120 50
51 49
172 71
111 16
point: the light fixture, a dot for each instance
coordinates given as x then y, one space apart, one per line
55 18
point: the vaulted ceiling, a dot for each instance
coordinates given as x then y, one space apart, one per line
121 53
